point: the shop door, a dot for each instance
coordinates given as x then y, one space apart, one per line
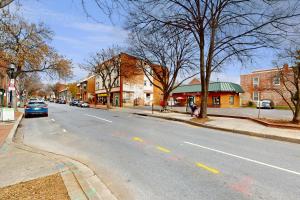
216 101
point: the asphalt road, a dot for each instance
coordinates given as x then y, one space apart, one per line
148 158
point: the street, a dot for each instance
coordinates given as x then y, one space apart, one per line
147 158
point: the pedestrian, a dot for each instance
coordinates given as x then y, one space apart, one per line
193 108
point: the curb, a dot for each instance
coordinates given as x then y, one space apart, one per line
268 124
261 135
90 186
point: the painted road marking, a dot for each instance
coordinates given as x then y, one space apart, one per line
53 120
243 158
212 170
99 118
163 149
138 139
64 130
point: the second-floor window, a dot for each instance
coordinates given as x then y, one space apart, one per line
145 83
276 80
255 96
255 81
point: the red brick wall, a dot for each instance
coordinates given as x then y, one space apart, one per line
264 87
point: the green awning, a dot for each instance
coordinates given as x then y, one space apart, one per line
213 87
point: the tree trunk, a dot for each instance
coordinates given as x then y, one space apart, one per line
165 102
14 100
203 105
296 117
108 100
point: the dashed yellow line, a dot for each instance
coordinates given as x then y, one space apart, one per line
163 149
138 139
212 170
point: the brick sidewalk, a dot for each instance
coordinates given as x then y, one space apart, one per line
5 128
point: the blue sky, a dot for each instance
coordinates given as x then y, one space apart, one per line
77 36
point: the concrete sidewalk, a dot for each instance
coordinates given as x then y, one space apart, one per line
241 126
20 163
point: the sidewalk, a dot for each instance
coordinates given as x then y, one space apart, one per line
241 126
30 173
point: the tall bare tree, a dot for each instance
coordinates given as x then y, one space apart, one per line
105 64
224 30
167 58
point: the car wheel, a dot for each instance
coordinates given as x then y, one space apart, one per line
46 115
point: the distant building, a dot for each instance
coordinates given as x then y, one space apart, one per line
220 94
258 83
86 90
131 88
65 94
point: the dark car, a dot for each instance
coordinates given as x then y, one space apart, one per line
79 103
61 101
73 103
36 108
56 101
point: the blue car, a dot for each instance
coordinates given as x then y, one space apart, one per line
36 108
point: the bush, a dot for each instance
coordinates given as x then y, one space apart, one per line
250 104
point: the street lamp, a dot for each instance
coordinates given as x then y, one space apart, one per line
11 71
11 87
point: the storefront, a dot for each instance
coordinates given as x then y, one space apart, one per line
220 95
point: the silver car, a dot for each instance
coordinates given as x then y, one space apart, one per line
265 103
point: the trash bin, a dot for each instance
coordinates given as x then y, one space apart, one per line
7 114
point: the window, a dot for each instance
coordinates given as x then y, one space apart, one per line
151 84
117 83
145 83
231 100
255 81
255 96
276 80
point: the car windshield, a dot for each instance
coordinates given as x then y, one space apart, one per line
36 103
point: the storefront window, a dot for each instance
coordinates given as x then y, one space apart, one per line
231 100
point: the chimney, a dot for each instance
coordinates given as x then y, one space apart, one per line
285 68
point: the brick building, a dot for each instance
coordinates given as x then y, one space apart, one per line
260 85
220 94
131 88
86 89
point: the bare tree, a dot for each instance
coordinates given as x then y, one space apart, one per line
167 58
289 82
224 30
105 64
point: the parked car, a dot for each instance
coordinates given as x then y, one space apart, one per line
61 101
265 103
36 108
84 105
51 100
56 101
73 102
79 103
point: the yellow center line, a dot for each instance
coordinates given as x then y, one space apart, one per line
212 170
138 139
163 149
